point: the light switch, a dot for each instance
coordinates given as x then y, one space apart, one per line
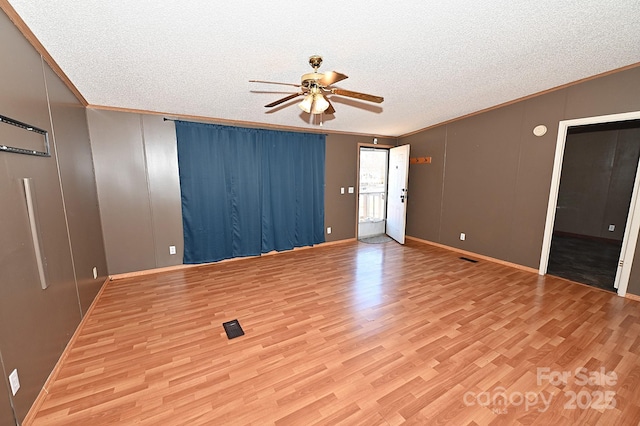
342 190
351 190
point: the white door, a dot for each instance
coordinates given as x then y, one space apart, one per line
397 193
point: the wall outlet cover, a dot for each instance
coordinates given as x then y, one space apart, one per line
351 190
463 236
612 228
172 249
328 230
95 272
14 381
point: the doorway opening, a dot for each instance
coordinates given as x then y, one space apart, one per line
372 193
383 179
596 185
567 211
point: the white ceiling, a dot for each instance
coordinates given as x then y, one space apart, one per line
431 60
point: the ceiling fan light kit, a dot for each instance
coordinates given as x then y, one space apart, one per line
314 103
316 87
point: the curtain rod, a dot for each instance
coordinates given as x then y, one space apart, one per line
257 128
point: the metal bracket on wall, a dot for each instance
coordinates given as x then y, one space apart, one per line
29 128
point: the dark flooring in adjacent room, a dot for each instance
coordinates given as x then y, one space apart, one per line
584 260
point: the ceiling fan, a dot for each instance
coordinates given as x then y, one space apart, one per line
315 87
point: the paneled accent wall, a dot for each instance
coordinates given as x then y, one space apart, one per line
139 188
36 324
136 165
490 175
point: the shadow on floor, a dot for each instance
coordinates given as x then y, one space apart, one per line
587 261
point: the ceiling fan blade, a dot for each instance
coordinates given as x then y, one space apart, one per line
283 100
331 77
331 110
274 82
358 95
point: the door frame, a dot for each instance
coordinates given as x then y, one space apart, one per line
357 188
633 218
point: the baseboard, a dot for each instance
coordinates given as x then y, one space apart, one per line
632 297
115 277
35 407
472 254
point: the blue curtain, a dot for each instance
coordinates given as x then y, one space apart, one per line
249 191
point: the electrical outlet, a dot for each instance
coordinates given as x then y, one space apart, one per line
172 249
463 236
351 190
342 190
328 230
95 272
14 381
612 228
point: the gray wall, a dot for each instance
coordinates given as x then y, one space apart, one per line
135 157
6 413
598 173
136 164
342 172
490 176
36 324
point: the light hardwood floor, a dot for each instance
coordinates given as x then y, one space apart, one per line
375 334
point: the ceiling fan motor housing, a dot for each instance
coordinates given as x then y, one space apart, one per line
311 79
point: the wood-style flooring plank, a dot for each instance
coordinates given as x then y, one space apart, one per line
351 333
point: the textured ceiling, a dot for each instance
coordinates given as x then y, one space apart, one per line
431 60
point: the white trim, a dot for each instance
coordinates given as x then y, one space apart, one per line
633 219
630 239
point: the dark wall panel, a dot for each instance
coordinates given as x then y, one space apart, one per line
123 192
161 155
533 179
480 181
21 65
597 180
36 324
341 171
79 188
622 179
584 184
612 94
424 205
6 413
